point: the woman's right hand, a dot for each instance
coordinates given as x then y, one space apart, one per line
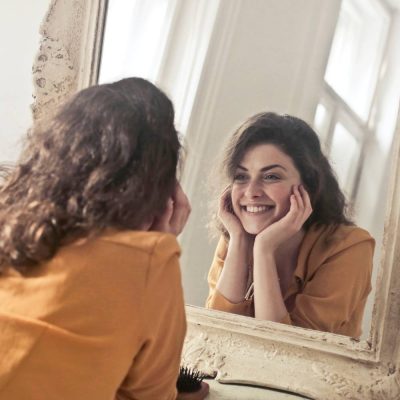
227 216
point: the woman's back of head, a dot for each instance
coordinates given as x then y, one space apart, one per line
107 159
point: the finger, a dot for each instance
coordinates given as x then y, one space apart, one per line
299 197
227 189
181 211
163 221
169 210
298 208
146 226
291 216
306 206
179 197
225 200
307 200
303 214
294 204
181 201
178 221
226 193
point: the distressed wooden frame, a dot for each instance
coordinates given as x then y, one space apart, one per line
233 348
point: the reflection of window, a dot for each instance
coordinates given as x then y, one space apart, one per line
357 52
345 152
164 41
345 116
135 38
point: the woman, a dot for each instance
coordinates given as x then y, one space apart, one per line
90 287
288 252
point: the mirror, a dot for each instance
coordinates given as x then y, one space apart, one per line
301 58
230 347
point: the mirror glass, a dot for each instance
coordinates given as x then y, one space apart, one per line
334 65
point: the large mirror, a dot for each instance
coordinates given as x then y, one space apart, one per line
334 64
239 57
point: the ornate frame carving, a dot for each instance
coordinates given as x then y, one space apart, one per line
230 347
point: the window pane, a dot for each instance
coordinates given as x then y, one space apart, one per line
345 153
134 39
357 52
321 123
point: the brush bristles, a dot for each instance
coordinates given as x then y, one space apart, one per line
189 380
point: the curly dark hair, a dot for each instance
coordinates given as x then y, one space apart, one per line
107 159
298 140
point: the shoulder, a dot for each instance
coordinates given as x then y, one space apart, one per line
334 238
343 247
124 245
118 255
322 243
154 255
153 243
115 269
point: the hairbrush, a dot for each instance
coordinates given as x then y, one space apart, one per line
189 380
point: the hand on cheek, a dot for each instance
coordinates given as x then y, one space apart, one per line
274 235
175 215
227 216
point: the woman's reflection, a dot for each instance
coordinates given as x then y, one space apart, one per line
288 252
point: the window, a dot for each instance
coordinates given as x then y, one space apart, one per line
164 41
135 38
346 115
357 52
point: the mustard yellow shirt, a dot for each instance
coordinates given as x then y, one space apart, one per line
104 319
330 284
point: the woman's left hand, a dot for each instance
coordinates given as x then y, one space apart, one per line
279 232
175 215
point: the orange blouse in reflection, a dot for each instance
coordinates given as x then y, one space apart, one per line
103 319
330 284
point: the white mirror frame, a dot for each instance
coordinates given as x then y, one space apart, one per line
234 348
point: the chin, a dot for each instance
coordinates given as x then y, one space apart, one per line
254 229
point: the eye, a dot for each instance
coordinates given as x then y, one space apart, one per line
271 177
239 177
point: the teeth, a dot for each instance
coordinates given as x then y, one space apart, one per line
256 209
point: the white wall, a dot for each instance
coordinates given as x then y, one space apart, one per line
19 42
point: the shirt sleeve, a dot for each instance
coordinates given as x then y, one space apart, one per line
338 289
216 300
155 368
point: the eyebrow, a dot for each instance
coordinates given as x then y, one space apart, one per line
266 168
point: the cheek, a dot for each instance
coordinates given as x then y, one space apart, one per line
282 195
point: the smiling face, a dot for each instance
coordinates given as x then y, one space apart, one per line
262 185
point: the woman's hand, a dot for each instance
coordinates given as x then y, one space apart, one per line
228 218
175 215
279 232
201 394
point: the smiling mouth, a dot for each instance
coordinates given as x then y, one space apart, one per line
256 209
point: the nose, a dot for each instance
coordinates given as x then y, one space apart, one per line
253 189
